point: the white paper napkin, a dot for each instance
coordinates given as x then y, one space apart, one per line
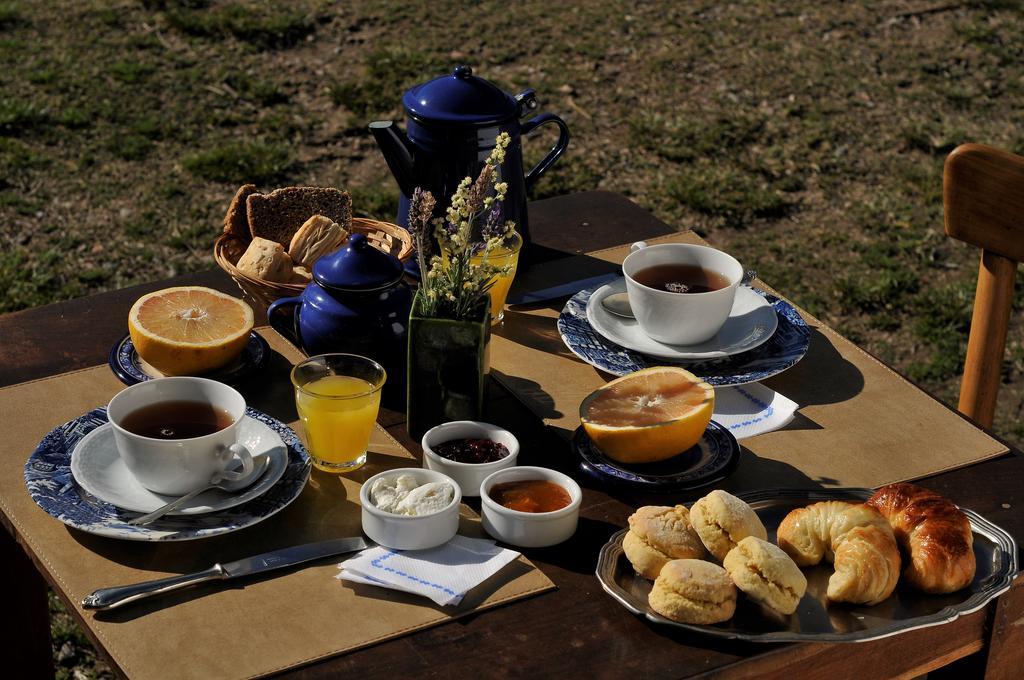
444 574
747 410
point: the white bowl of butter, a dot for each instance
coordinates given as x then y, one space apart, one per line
410 508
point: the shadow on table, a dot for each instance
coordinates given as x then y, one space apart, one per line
270 390
823 376
541 403
536 332
752 473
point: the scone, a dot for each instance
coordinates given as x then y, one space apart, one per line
693 591
658 534
722 521
766 574
266 259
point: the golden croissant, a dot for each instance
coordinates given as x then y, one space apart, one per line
935 534
856 538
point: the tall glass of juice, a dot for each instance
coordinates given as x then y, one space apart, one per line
506 254
337 397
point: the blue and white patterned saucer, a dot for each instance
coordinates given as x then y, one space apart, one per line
713 458
129 367
54 489
786 346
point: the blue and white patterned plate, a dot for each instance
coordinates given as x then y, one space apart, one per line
787 346
54 489
129 367
713 458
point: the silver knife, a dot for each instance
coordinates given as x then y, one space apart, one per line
562 289
108 598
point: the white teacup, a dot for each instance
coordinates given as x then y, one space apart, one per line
177 466
680 318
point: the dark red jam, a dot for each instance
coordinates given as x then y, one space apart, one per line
471 450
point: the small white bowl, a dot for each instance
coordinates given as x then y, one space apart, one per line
530 529
468 475
404 532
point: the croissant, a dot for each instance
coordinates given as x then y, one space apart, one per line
934 533
855 538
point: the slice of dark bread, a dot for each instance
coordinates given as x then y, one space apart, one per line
279 214
236 221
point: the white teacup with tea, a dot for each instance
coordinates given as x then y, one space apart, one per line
680 294
176 435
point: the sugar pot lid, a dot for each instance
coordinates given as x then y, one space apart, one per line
357 266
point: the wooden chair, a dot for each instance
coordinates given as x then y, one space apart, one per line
983 195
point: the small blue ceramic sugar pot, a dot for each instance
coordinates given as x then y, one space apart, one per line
357 303
451 125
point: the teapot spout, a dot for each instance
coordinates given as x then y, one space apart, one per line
397 151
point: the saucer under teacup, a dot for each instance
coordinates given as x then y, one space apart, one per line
712 459
751 323
97 466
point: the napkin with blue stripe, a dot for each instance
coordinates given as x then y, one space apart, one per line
444 574
752 409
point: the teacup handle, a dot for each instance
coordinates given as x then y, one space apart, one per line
639 245
234 475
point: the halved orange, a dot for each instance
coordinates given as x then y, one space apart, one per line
649 415
189 330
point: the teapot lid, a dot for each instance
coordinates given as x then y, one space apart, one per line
460 98
357 266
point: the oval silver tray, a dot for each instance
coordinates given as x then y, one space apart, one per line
816 619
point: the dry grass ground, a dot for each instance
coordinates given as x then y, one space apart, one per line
806 137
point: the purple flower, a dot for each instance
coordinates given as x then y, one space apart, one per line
495 226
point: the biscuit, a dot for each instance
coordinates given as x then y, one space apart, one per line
722 521
236 221
658 534
693 591
766 574
266 259
279 214
315 238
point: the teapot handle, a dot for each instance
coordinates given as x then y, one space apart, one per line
557 150
276 321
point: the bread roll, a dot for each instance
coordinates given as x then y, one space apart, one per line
317 236
935 534
266 259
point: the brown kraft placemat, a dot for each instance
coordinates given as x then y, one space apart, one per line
859 422
233 629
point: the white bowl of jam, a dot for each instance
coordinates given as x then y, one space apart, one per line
530 507
468 451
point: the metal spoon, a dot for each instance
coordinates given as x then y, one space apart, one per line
231 486
618 303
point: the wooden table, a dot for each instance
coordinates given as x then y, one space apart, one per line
576 630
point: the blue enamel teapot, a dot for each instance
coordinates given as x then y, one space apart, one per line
451 125
356 303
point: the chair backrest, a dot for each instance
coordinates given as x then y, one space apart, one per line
983 196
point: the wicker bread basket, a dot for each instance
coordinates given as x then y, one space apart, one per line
389 238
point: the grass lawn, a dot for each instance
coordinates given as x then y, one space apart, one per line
807 138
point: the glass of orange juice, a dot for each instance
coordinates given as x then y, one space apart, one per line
506 254
337 397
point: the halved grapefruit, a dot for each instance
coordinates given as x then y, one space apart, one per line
649 415
189 330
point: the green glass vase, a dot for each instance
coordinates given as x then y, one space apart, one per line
448 365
